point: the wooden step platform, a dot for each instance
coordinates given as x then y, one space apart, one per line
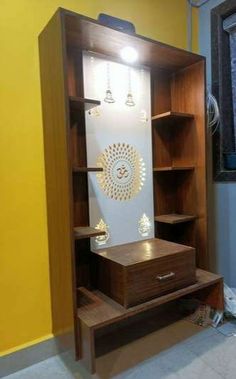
96 310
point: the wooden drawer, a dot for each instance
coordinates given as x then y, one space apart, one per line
137 272
155 278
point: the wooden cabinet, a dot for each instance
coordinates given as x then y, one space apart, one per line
179 173
137 272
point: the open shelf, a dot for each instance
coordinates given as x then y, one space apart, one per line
82 104
87 169
173 168
177 83
81 232
97 310
174 218
172 116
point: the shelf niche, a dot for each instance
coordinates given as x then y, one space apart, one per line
78 105
171 116
174 218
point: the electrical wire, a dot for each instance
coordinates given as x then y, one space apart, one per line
213 113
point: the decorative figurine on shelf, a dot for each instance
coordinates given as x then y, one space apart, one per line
95 112
102 240
143 116
145 226
129 101
109 97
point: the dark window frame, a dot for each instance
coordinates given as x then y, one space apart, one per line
223 138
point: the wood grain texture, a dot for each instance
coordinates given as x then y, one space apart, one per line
110 278
175 139
87 169
174 218
136 253
174 192
179 146
57 170
97 310
180 142
98 314
188 95
87 232
83 262
170 115
164 275
179 233
87 347
135 272
160 89
88 34
80 200
173 168
78 142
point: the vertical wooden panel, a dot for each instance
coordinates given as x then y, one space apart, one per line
161 92
88 347
58 174
188 95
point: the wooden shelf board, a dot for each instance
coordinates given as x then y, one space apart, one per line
84 33
81 232
132 253
174 218
87 169
173 168
172 116
97 310
80 103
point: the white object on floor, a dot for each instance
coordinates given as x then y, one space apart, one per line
230 300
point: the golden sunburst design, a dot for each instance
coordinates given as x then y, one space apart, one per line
123 172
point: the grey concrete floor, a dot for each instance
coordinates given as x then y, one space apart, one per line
179 351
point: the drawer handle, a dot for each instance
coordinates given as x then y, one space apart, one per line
165 276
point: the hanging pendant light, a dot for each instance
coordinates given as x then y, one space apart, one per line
129 101
109 97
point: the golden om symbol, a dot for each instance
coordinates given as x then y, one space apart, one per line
122 172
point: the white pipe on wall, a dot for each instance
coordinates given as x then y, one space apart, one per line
190 4
197 3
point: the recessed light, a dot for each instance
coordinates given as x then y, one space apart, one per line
129 54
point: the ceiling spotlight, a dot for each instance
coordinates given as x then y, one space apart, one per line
129 54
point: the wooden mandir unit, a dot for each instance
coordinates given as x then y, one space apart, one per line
179 171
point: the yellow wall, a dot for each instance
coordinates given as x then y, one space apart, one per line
24 281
